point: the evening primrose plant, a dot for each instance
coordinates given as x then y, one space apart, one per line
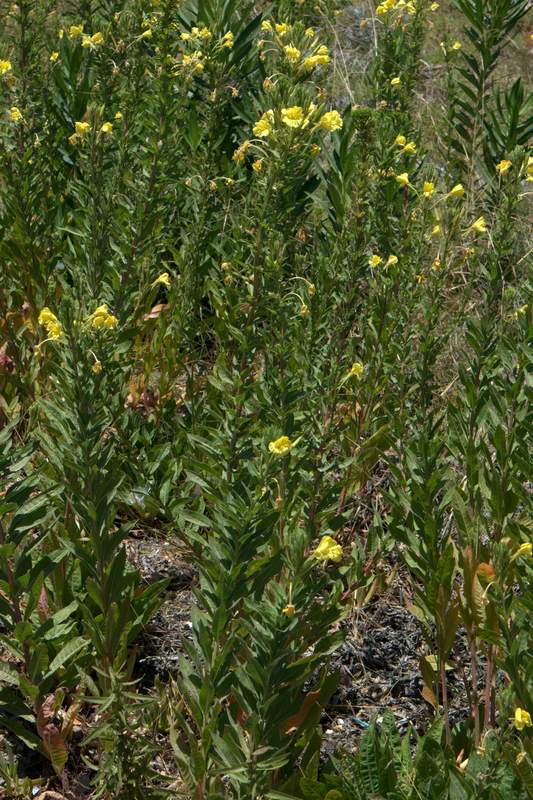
288 334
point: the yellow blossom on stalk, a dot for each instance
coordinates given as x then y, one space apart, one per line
456 45
240 153
15 114
504 166
395 81
331 121
263 127
54 56
147 34
525 549
282 29
420 278
281 446
118 116
228 40
50 322
522 719
75 31
82 128
410 8
356 370
402 179
162 280
304 310
519 311
185 37
457 191
289 611
319 59
203 33
328 550
315 150
374 261
257 165
310 33
428 189
5 66
97 38
293 117
107 128
400 140
292 53
97 367
409 148
479 226
434 6
436 231
266 25
101 318
391 261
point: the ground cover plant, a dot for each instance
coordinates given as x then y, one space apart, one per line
265 382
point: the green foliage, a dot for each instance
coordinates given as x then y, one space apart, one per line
244 314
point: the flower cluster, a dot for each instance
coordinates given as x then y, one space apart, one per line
101 319
397 10
328 550
51 324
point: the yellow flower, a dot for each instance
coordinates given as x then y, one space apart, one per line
395 81
519 311
50 322
15 114
479 226
228 40
315 149
82 128
101 318
409 148
434 6
331 121
97 38
257 165
457 191
311 288
436 265
289 611
356 370
282 29
118 116
328 550
54 56
204 33
428 189
86 41
263 127
75 31
456 45
522 719
107 128
436 231
147 34
266 25
97 367
304 310
293 117
163 280
391 261
292 53
420 278
281 446
185 37
5 66
310 33
504 166
240 153
400 140
525 549
374 261
403 179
